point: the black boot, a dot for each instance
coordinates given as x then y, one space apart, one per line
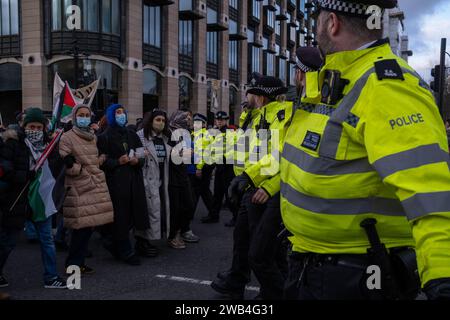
145 249
224 287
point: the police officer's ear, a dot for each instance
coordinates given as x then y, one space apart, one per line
330 23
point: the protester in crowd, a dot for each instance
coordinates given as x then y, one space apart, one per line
123 167
22 150
155 137
179 186
88 203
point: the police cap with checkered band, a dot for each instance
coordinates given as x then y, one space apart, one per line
266 86
356 8
308 59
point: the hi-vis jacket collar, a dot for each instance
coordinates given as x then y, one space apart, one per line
340 61
344 58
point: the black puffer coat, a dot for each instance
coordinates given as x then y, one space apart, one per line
17 155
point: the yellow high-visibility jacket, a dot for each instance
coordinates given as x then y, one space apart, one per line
263 164
240 153
379 152
202 140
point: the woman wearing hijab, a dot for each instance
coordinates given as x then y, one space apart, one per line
87 204
123 168
180 195
155 137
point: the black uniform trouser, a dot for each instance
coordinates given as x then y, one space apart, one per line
328 278
222 180
257 248
264 251
201 187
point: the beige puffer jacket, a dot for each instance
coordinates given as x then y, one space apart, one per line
88 203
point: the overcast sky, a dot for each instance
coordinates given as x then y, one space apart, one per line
427 21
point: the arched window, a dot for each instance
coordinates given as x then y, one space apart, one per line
152 90
89 71
10 91
185 87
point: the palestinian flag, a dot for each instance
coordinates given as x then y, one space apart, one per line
46 193
62 111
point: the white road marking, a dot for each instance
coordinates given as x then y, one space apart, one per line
195 281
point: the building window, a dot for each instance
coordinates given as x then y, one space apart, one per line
233 27
93 11
233 53
278 28
255 59
234 4
256 9
186 38
152 87
282 69
212 47
10 91
9 17
291 74
89 71
185 46
152 26
270 22
185 89
234 103
211 16
269 66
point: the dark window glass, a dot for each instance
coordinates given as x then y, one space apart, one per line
185 38
185 88
270 18
212 47
256 59
9 17
89 71
233 27
152 26
92 12
10 77
211 16
234 4
256 9
106 16
233 54
185 5
152 86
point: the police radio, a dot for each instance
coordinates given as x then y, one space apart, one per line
333 87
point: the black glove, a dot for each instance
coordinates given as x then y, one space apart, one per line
69 161
438 289
237 188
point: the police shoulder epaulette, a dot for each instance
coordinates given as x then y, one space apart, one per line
389 69
281 115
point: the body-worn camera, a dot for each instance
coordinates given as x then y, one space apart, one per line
333 87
